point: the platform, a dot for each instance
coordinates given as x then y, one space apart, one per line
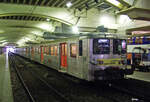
5 82
145 76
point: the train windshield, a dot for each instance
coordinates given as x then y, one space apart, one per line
119 46
101 46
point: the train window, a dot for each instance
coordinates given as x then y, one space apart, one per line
101 46
73 50
56 50
62 50
52 50
123 46
32 50
119 46
47 50
80 47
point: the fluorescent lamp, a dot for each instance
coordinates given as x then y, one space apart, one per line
69 4
75 29
48 19
114 2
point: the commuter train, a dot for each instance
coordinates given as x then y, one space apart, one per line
139 57
99 57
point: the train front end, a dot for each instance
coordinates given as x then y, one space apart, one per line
108 59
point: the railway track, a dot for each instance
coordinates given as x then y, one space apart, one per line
22 82
106 93
132 89
33 94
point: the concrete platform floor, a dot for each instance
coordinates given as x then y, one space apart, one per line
5 82
145 76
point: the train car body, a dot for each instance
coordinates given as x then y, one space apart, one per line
139 57
88 58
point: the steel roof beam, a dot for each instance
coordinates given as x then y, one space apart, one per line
23 17
30 17
124 3
18 28
79 3
7 17
36 3
4 0
37 15
48 4
24 1
27 17
20 18
11 1
61 3
42 3
40 19
17 17
17 1
14 17
30 2
76 2
88 4
92 5
33 18
120 6
37 19
55 3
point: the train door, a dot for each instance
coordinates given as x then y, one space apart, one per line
42 56
63 55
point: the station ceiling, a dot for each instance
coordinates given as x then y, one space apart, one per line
27 20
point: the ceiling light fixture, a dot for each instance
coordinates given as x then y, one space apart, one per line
115 2
69 4
75 29
48 19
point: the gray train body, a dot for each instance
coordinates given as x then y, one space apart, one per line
89 58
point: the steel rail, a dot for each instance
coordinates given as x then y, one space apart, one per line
108 97
31 99
64 99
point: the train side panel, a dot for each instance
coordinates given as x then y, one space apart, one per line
51 59
37 53
86 58
73 67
